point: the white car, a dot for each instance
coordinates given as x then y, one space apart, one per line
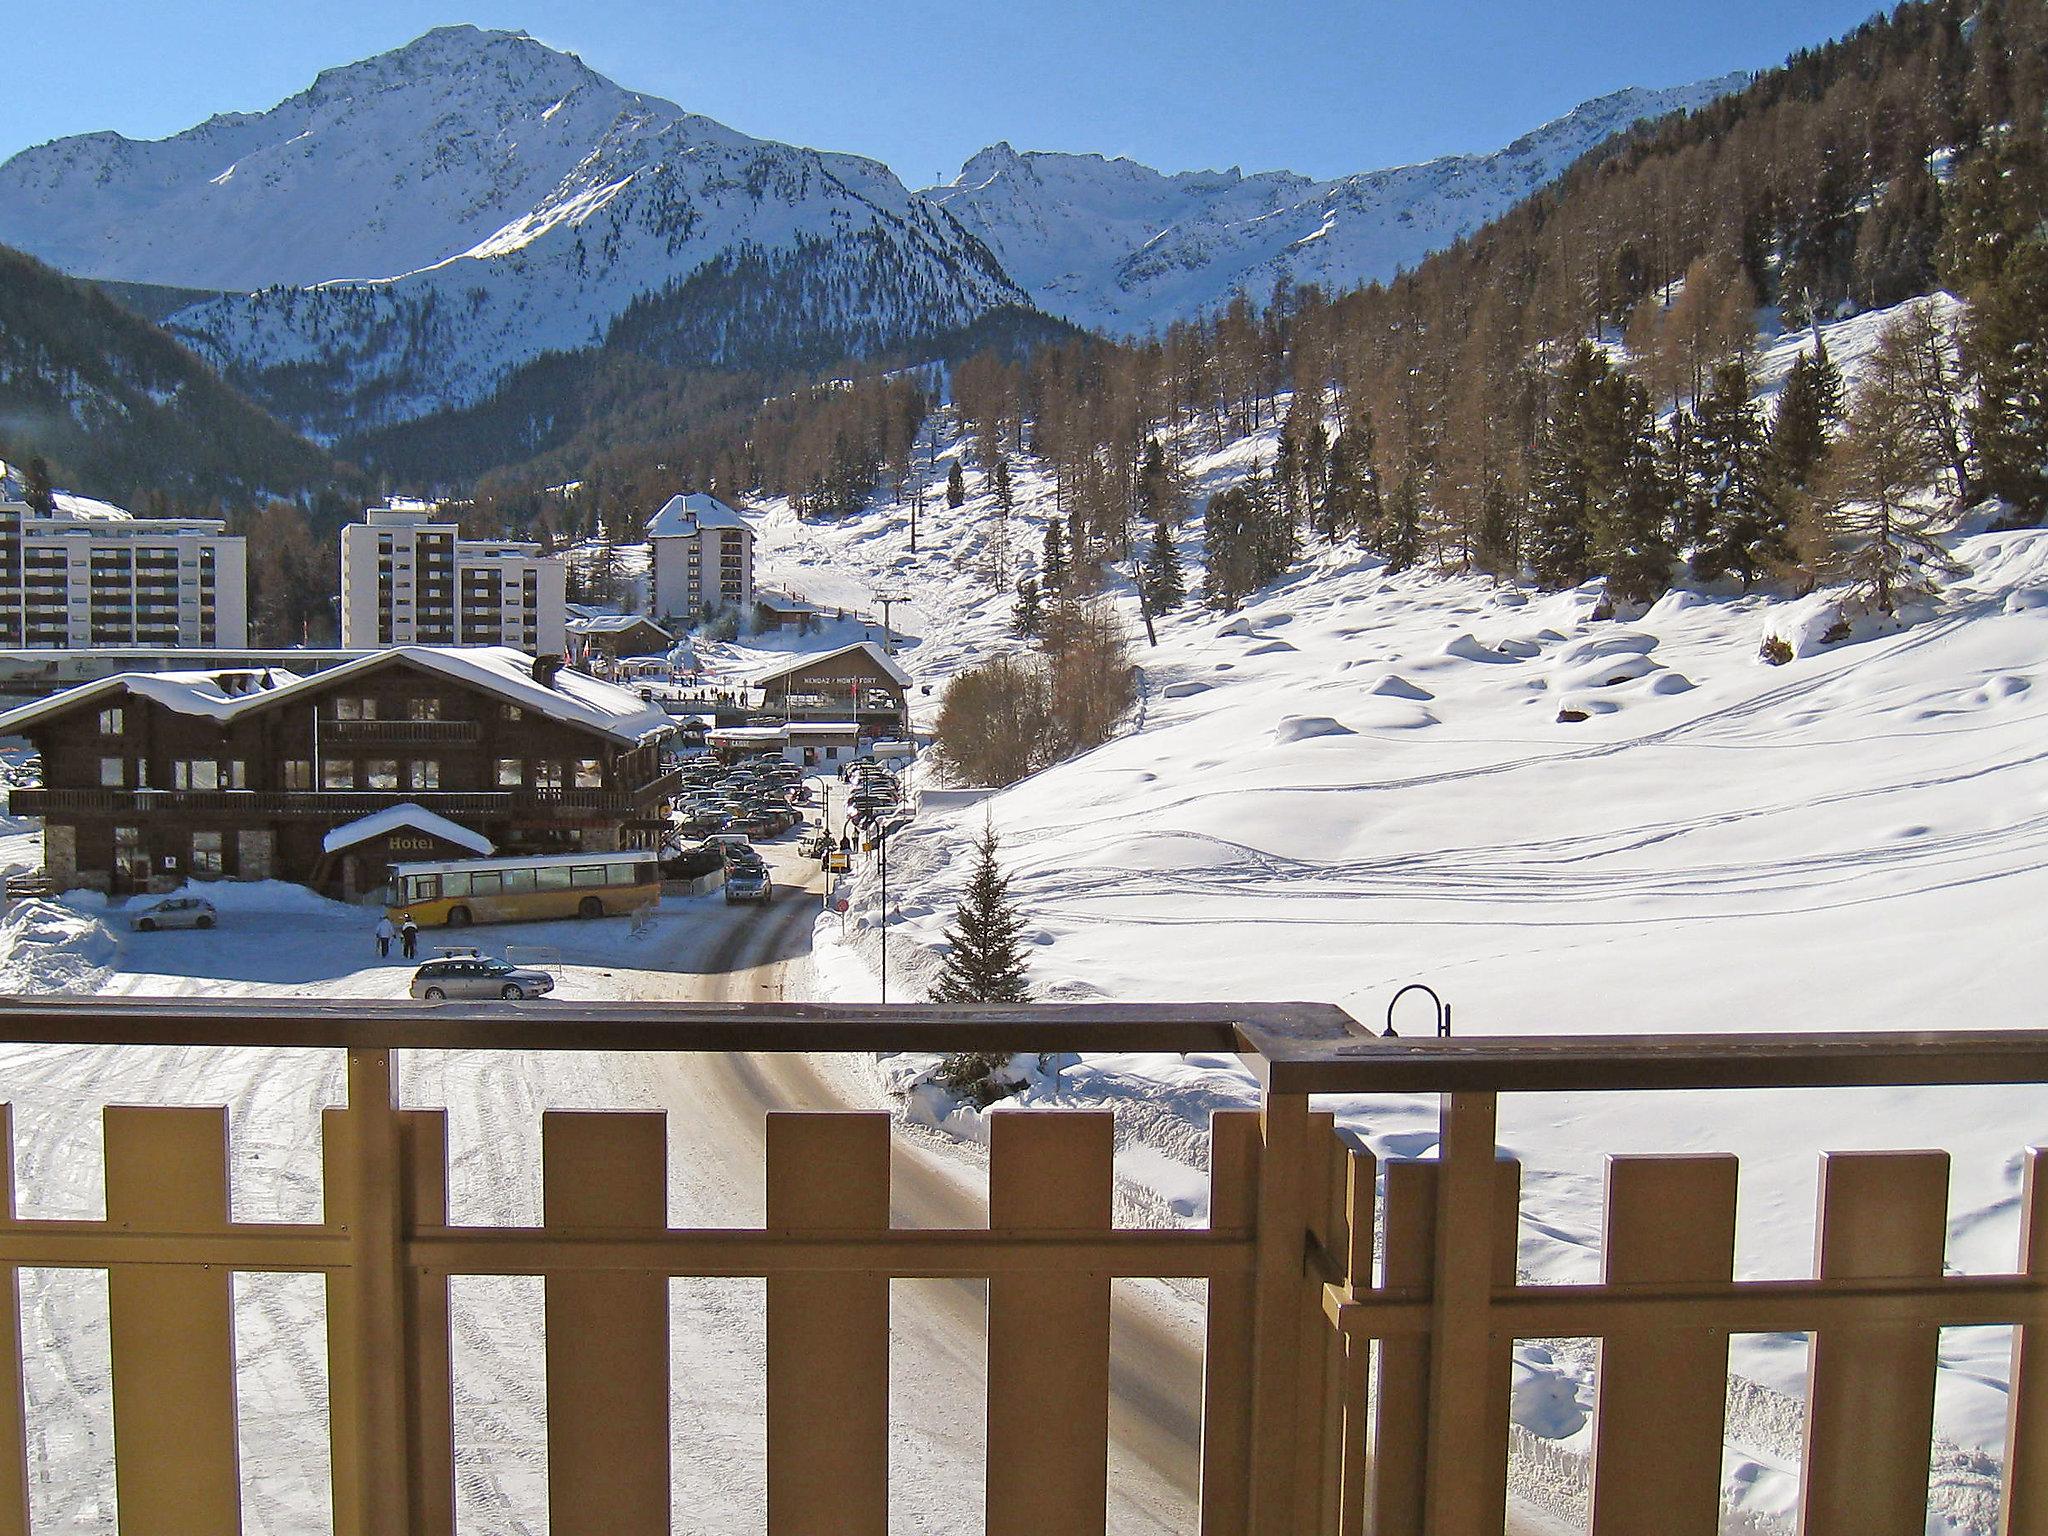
174 912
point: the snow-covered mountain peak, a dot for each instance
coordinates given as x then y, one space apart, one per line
1116 245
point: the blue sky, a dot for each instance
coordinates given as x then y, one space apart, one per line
1180 84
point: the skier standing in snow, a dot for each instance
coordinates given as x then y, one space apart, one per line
385 934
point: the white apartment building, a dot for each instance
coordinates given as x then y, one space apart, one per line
409 578
77 579
703 558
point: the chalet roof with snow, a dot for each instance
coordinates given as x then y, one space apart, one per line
685 516
882 661
611 624
572 697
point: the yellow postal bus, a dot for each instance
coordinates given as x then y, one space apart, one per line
457 892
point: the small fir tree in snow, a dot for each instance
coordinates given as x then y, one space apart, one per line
986 961
1052 561
1400 535
1027 616
1747 526
1160 579
956 486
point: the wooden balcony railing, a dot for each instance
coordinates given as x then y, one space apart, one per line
1340 1396
338 802
405 733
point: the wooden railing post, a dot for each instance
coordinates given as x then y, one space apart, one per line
2025 1511
13 1429
1465 1479
1276 1322
1227 1359
380 1412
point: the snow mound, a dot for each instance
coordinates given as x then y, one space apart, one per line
1394 715
1271 648
1395 686
1186 690
264 896
48 947
1545 1398
1802 623
1306 727
1466 648
1602 671
2026 599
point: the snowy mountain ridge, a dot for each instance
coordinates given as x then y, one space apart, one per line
408 230
1114 245
400 236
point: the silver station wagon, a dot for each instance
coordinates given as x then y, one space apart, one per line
478 978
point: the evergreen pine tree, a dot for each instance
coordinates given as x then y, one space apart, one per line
1809 405
1027 617
37 490
1881 465
956 485
1747 525
1400 540
1632 538
1052 560
1351 503
2005 354
985 963
1160 580
1495 547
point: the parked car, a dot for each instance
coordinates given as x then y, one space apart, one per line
726 841
174 912
749 882
692 863
479 978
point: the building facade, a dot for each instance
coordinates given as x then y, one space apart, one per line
410 578
860 683
69 581
702 558
150 779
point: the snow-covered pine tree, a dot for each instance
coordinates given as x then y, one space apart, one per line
2005 349
1160 579
1747 527
986 961
1809 406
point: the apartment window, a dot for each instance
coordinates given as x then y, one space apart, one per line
208 856
589 773
113 772
110 721
426 709
195 773
237 774
298 773
383 772
338 773
355 709
511 773
547 774
423 773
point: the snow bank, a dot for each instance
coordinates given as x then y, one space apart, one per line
52 948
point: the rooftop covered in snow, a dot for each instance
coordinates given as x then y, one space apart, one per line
881 659
685 516
417 818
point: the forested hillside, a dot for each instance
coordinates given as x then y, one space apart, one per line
120 410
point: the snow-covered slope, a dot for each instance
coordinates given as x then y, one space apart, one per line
475 199
1117 246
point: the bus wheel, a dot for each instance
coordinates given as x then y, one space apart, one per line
458 917
590 906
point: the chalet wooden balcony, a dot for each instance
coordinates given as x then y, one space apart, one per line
402 733
1343 1395
342 802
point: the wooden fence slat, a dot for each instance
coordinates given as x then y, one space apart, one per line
430 1479
1227 1357
1353 1467
2025 1511
1401 1409
1663 1393
13 1423
1048 1336
1283 1219
1318 1348
171 1328
1870 1389
607 1334
828 1340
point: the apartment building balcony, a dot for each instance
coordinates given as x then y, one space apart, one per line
402 733
1359 1318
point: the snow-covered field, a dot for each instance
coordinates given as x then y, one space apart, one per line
1360 781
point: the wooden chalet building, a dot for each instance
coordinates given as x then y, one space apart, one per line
151 778
859 682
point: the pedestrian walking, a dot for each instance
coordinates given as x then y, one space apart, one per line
409 936
385 934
